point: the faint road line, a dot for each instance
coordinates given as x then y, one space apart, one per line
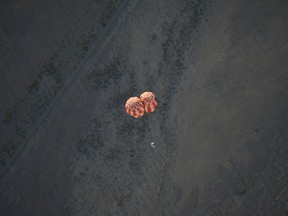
71 81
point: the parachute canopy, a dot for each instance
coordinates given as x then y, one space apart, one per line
148 98
135 107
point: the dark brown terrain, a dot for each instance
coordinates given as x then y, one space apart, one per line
219 70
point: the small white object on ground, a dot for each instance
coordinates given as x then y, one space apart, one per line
153 145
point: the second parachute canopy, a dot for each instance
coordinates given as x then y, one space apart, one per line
148 98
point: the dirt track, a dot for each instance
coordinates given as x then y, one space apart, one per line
219 72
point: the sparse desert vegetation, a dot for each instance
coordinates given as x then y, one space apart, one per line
217 68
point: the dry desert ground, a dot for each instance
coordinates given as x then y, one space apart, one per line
219 70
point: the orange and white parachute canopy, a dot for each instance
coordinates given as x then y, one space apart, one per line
148 98
135 107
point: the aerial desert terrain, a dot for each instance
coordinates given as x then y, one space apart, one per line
219 70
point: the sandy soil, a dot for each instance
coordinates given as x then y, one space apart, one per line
219 72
